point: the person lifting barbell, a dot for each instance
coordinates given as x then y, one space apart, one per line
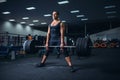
55 37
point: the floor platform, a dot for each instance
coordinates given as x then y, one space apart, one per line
103 64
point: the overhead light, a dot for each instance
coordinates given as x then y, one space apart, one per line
80 16
74 11
22 22
30 8
6 12
63 21
63 2
35 20
25 18
47 15
2 1
31 24
11 19
111 12
84 19
43 23
111 6
111 16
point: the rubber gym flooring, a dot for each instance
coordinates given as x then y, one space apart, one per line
103 64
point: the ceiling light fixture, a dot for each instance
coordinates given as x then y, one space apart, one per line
80 16
111 12
6 12
47 15
22 22
35 20
63 2
11 19
30 8
31 24
84 19
2 1
111 6
25 18
111 16
63 21
74 11
43 23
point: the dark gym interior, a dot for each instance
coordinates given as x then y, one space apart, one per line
92 37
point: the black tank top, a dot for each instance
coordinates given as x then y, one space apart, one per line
55 33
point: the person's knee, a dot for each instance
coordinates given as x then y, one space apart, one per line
66 54
46 53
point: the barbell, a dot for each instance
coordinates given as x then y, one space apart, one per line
83 46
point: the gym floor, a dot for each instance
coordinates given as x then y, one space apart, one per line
103 64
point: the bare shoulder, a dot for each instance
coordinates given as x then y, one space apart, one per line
62 24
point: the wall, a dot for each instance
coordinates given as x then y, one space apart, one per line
19 29
109 34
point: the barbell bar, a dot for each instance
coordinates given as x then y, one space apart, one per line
59 46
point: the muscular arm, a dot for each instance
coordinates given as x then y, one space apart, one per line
48 35
62 28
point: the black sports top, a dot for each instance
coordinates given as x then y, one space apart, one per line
55 33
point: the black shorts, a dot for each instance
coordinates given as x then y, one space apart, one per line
50 49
